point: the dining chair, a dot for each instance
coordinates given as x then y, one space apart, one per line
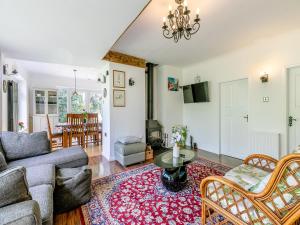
56 138
69 115
92 129
76 129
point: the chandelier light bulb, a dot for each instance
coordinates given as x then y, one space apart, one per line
170 8
185 3
198 11
164 20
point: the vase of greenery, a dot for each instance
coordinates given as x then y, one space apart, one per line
85 116
179 134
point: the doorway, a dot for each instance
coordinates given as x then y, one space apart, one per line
234 118
293 107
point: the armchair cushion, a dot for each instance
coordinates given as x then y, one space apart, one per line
13 186
246 176
22 145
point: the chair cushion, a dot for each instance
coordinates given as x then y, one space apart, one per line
41 174
246 176
129 148
23 145
43 194
28 213
62 158
13 186
3 164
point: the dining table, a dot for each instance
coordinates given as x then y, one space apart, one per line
65 129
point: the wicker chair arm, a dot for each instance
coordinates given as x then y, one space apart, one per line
261 161
232 201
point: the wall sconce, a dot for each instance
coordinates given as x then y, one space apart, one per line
264 78
7 72
131 82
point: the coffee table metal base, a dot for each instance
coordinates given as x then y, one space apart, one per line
174 179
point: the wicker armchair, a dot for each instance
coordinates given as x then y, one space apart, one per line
277 202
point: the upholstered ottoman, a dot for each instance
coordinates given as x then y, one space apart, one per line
72 188
127 154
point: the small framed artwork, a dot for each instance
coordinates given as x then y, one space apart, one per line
118 79
173 84
119 98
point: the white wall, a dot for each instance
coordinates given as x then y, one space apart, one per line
169 112
128 120
272 55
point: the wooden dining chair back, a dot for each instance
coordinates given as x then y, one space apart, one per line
56 139
69 116
92 129
76 129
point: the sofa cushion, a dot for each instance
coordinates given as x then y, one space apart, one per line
23 145
62 158
246 176
41 174
43 194
3 164
73 188
28 213
13 186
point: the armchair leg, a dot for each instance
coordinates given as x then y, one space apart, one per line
203 217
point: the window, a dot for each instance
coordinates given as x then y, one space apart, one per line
90 101
62 105
78 103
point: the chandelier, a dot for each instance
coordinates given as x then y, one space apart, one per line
179 22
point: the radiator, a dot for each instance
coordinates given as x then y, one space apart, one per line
267 143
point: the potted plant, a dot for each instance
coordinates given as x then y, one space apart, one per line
179 134
85 116
21 125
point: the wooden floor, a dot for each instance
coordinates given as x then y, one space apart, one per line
102 167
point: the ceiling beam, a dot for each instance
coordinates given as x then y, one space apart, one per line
121 58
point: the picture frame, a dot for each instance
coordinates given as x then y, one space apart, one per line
118 79
119 98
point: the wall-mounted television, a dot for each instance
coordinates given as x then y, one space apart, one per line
196 92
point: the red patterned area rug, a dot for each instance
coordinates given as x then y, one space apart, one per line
138 197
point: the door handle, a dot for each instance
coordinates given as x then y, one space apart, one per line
246 117
291 119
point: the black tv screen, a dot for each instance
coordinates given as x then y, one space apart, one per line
196 93
200 92
188 94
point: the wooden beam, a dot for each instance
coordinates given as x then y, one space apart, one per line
121 58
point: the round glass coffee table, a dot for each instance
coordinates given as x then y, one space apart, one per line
174 175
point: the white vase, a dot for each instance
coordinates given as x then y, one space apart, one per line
175 151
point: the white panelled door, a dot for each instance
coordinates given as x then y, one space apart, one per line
294 108
234 118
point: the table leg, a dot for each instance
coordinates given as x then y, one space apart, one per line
65 139
174 179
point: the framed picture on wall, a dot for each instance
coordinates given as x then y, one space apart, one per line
118 79
119 98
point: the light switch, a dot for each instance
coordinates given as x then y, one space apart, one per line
266 99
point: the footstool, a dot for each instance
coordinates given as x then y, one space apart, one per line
72 188
127 154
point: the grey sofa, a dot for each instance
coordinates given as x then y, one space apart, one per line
28 166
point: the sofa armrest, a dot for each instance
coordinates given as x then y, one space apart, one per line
27 212
261 161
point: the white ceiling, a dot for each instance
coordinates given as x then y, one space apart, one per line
77 32
226 25
57 70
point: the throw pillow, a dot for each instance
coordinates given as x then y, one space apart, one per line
13 186
3 164
22 145
129 140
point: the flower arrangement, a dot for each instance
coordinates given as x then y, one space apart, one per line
179 135
21 125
